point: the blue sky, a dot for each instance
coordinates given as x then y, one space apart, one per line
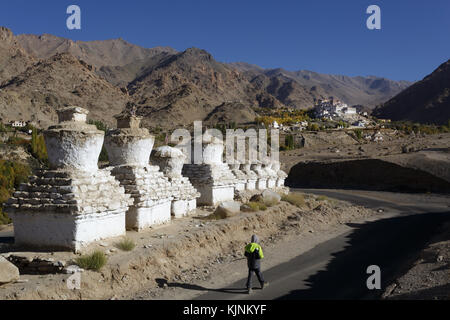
328 36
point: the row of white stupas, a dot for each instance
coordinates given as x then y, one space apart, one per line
75 203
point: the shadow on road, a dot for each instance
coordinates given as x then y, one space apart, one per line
163 282
391 243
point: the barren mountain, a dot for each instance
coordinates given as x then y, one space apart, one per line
427 101
61 80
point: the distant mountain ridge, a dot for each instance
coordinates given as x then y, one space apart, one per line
170 88
426 101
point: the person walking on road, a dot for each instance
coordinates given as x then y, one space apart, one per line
254 254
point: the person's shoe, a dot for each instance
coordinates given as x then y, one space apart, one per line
264 284
249 291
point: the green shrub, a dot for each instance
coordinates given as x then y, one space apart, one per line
358 134
322 198
126 245
94 261
37 147
295 199
12 174
289 142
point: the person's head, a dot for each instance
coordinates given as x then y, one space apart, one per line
255 239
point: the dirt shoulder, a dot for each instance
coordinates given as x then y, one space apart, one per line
428 278
192 250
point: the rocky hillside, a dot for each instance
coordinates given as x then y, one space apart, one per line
59 81
427 101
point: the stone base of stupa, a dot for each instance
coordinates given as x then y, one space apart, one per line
261 184
271 183
214 182
183 208
151 192
140 218
250 185
184 197
49 231
68 209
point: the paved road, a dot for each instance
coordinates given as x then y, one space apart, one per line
336 269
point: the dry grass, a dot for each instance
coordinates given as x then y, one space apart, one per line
94 261
256 206
126 245
295 199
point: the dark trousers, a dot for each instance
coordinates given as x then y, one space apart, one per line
258 274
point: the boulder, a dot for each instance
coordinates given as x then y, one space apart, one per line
228 209
8 272
270 197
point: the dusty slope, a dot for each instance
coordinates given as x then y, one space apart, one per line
427 278
59 81
427 101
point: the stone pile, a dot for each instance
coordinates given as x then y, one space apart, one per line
74 203
36 265
129 148
171 161
213 179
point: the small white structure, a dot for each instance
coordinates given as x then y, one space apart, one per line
129 149
276 166
240 176
18 124
171 161
333 109
377 137
261 183
74 203
360 124
213 179
250 176
272 175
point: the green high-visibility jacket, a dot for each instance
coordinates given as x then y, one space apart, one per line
254 254
251 247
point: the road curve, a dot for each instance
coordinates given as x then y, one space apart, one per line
336 269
